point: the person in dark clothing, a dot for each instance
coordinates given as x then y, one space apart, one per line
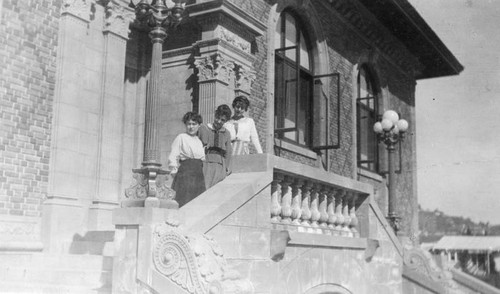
217 142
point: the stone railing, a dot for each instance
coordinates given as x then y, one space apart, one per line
312 206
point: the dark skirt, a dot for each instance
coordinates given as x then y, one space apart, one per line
189 181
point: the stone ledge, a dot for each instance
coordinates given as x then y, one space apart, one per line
21 246
306 239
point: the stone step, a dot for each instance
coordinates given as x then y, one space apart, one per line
44 288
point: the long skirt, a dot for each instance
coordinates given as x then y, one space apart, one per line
189 181
214 169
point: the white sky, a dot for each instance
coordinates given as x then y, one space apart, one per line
458 117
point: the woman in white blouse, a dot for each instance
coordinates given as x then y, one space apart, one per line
186 161
242 128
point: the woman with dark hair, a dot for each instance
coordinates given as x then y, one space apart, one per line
186 161
242 128
217 142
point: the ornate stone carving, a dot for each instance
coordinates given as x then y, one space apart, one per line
195 263
140 189
233 39
78 8
244 78
118 19
14 230
215 67
163 190
421 261
173 257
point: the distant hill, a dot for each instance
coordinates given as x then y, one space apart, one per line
435 224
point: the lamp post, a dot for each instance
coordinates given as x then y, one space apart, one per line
391 131
157 18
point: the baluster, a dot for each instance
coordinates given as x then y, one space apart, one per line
296 201
354 219
345 213
323 219
331 211
339 218
276 198
306 202
286 201
315 215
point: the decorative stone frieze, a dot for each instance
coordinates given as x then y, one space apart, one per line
79 8
118 19
232 38
194 262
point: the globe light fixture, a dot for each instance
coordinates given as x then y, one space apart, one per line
391 130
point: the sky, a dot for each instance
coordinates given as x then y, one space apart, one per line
458 117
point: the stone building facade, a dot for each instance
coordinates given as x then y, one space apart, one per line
74 84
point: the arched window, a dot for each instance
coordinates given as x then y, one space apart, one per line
366 116
293 82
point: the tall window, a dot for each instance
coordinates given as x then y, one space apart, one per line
293 82
366 116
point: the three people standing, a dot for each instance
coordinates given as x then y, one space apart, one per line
201 157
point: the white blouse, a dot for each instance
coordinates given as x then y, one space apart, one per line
185 146
244 130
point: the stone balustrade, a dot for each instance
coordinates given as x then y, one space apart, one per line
313 206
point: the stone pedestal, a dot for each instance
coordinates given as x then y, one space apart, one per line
133 242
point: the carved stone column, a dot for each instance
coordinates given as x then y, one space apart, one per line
215 81
315 214
306 202
286 201
331 210
111 107
62 211
296 201
276 198
225 61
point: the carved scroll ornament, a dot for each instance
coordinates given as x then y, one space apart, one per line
195 263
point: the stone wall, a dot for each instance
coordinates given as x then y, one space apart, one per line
247 239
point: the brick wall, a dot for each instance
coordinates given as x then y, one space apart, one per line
346 48
28 44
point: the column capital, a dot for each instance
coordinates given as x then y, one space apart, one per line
78 8
214 66
118 19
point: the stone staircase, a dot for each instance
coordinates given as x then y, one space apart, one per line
86 268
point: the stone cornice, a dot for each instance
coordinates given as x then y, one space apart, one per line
224 44
226 8
376 34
